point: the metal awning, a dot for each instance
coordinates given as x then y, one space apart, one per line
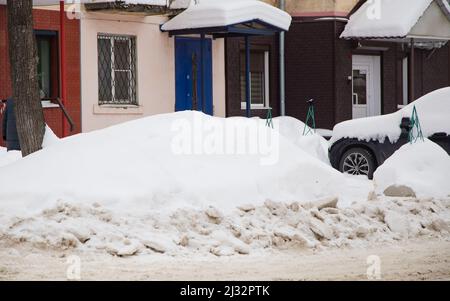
227 19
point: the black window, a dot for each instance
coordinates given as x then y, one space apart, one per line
117 69
48 65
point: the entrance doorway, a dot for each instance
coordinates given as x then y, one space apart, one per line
366 86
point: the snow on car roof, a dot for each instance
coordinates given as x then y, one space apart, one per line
433 110
216 13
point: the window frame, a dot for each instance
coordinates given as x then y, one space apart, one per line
52 38
132 70
266 94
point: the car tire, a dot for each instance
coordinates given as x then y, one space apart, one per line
357 161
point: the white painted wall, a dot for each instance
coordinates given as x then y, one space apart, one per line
155 69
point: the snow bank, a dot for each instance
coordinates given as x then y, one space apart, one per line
217 13
433 110
168 161
385 18
12 156
423 167
8 157
248 229
314 144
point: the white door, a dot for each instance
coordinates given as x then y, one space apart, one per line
366 86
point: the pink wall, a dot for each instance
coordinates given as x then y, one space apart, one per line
155 67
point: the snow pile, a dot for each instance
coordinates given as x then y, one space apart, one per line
184 159
8 157
12 156
385 18
247 229
423 167
314 144
433 110
217 13
49 138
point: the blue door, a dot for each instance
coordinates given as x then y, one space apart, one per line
188 76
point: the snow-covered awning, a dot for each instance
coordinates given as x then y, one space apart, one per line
222 14
423 20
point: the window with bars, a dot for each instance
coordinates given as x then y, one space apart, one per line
259 79
116 70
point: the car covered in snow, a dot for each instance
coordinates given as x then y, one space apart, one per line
359 146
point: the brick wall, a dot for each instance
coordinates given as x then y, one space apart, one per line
343 87
318 64
48 20
432 70
310 70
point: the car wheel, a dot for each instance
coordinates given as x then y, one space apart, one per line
357 161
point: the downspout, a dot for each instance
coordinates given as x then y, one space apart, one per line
247 77
282 67
62 63
412 72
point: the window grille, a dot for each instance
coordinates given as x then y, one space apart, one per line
116 70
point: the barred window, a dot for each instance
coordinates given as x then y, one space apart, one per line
116 69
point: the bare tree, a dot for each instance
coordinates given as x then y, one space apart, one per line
24 77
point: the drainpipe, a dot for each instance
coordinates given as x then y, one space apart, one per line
247 77
62 63
282 67
412 72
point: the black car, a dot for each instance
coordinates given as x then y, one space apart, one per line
357 156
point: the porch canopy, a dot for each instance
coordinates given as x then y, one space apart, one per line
401 20
419 23
229 18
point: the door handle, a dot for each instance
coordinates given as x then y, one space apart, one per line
355 98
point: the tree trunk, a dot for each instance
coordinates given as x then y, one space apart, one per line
23 61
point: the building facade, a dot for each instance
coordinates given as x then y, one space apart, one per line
151 72
334 71
47 26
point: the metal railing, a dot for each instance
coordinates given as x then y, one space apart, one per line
57 101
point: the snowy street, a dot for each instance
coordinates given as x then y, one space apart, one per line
223 140
415 260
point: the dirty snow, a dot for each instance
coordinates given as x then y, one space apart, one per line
135 195
424 167
248 229
433 110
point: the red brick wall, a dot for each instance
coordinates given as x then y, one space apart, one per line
49 20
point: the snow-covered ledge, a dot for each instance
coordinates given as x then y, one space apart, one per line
47 104
118 110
